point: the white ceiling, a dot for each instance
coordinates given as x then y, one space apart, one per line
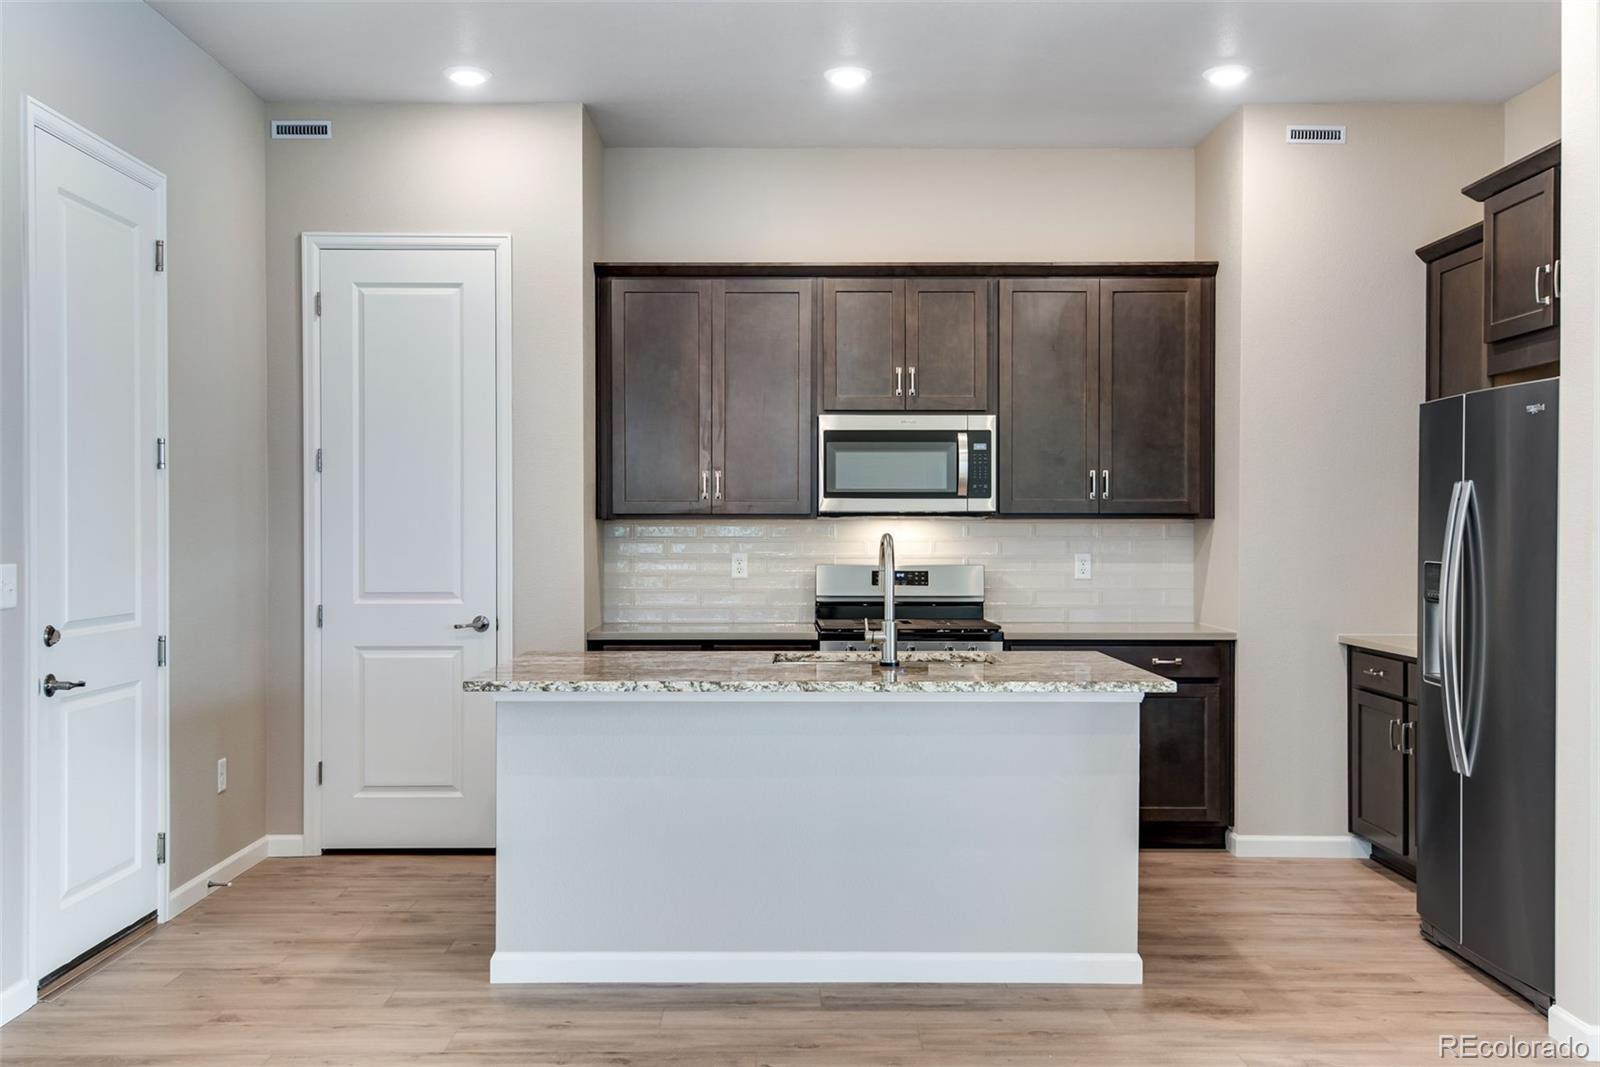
989 74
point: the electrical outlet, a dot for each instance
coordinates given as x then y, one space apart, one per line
8 585
1082 567
222 774
741 564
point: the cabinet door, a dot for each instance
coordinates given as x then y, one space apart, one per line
1519 240
1377 770
1155 397
761 397
1409 758
1183 756
863 344
660 396
947 344
1458 360
1049 396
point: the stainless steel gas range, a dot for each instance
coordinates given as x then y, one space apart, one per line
940 608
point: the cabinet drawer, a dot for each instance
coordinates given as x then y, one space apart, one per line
1171 661
1377 673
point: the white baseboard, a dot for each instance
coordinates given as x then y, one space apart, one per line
17 998
1069 968
286 845
1298 846
1565 1026
194 890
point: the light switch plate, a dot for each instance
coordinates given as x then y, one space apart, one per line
222 774
1082 567
8 585
741 565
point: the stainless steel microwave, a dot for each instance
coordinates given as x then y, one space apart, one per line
894 464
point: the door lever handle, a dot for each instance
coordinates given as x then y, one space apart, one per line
479 623
54 685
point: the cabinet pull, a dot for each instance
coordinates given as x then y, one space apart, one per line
898 374
1539 296
705 485
1408 738
1157 661
1105 484
717 494
1092 475
912 373
1374 672
1394 726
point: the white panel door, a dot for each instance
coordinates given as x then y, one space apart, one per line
408 546
96 360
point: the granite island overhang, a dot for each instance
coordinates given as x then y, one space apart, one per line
761 817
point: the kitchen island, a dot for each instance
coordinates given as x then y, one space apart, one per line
814 817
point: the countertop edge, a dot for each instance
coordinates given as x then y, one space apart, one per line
691 686
1401 645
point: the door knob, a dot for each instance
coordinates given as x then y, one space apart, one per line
51 636
479 623
53 685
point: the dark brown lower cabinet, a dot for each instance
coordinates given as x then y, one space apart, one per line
1185 738
1383 691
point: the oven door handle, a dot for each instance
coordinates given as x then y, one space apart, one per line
962 459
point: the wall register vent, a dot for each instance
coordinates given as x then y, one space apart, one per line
1316 135
301 129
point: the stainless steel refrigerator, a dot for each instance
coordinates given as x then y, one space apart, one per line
1486 744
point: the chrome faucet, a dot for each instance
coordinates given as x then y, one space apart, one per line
885 637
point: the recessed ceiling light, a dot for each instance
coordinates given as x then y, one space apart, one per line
467 77
1226 76
847 78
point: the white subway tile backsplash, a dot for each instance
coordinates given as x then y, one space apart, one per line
678 572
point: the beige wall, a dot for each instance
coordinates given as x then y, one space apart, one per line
1533 118
1578 544
861 205
125 73
518 169
1329 373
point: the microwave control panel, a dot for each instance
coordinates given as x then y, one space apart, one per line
980 466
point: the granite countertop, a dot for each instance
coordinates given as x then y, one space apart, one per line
1115 631
757 672
1403 645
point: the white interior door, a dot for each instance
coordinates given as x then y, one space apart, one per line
96 403
408 540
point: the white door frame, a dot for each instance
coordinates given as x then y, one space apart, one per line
40 119
311 245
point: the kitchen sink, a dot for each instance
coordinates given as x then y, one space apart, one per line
872 657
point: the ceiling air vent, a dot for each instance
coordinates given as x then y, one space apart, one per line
301 129
1316 135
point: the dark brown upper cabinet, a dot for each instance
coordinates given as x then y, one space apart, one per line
1458 359
894 344
1521 244
710 397
1049 396
660 386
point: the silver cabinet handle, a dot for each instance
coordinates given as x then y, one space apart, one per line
1105 484
1539 296
1093 474
1158 661
898 373
479 623
913 375
717 493
1394 729
1373 672
54 685
1408 738
705 485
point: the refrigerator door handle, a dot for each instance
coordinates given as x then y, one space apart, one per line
1449 595
1473 651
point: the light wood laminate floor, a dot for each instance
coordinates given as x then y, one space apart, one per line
384 960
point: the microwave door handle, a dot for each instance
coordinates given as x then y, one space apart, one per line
962 458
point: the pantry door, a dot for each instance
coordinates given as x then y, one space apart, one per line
408 488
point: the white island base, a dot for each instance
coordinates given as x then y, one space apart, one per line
817 836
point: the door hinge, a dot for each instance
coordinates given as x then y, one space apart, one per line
317 305
161 651
319 616
161 256
319 461
319 772
161 453
161 848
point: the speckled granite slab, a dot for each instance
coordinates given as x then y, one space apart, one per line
757 672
